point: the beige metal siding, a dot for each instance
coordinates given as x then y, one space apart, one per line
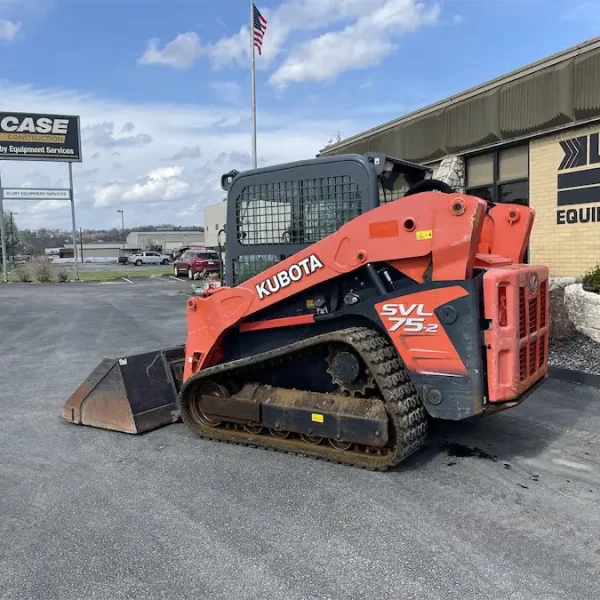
388 142
540 100
474 122
423 139
553 93
587 85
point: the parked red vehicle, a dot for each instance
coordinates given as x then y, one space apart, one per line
197 260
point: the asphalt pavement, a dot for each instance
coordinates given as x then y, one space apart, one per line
503 508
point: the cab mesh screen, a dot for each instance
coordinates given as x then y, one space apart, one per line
245 267
295 212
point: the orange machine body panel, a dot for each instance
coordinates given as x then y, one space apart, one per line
431 239
417 333
445 227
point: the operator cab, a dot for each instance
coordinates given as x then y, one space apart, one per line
274 212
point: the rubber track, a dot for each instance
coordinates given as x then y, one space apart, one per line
407 415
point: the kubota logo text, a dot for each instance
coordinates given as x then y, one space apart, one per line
306 266
408 318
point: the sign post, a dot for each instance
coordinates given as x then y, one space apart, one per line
3 234
73 219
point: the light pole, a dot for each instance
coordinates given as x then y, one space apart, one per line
12 237
122 227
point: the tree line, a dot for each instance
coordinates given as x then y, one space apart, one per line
34 241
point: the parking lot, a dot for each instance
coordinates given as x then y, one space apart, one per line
503 508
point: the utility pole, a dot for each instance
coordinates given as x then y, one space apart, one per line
75 257
12 237
11 252
81 242
3 235
122 227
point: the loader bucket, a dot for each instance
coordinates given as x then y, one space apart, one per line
132 394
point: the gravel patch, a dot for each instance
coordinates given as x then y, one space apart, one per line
579 353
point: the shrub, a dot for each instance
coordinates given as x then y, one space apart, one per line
63 276
591 280
42 270
23 273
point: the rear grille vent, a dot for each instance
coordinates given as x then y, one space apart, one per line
523 363
533 316
532 358
543 293
542 351
522 315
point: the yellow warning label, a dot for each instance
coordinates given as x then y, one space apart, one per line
317 418
426 234
310 304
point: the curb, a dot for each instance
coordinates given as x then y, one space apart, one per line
582 377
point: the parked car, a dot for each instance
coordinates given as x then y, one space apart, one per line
197 260
149 258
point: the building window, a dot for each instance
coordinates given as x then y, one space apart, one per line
501 176
216 227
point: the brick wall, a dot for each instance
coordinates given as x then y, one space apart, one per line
569 249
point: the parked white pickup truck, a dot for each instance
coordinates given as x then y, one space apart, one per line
149 258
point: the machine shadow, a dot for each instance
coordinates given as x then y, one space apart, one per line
522 432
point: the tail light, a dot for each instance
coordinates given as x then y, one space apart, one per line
502 310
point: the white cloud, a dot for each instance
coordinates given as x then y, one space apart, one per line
234 158
9 30
288 17
458 20
150 185
159 185
187 152
180 53
361 44
227 91
233 49
101 135
369 28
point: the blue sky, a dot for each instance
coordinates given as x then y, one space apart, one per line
162 86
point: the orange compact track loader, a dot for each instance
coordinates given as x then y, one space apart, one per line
363 297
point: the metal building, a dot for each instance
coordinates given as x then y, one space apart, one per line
166 240
529 137
215 216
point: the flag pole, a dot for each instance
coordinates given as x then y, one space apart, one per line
253 84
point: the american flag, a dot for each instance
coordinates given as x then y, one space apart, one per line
260 27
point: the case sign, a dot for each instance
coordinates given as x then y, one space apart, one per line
32 136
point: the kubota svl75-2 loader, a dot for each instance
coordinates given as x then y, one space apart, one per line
352 315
